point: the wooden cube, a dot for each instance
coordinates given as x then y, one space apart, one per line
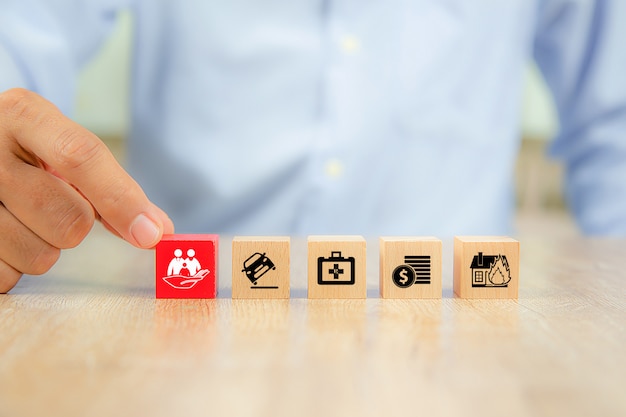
261 267
486 267
336 267
186 266
410 267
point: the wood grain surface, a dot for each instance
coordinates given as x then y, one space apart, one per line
90 339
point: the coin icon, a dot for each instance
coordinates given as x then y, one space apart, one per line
403 276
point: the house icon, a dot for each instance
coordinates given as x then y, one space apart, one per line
490 271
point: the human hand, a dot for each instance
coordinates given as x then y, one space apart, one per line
56 178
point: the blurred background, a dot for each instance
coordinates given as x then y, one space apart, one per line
541 209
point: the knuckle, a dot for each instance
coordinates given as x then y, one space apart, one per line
74 226
117 195
74 150
17 102
43 260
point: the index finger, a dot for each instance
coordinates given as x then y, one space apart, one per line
84 161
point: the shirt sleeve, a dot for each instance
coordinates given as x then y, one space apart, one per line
579 47
44 43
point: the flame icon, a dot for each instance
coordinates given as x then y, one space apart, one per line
499 274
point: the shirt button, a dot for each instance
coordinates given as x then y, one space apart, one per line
334 168
350 44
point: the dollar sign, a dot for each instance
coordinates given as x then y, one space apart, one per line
403 278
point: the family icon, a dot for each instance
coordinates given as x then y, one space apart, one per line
186 267
184 273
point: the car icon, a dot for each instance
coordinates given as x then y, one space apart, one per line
256 266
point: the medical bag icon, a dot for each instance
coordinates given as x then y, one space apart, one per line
335 270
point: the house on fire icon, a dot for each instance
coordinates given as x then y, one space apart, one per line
490 271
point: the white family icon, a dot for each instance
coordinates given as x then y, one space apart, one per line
186 267
184 273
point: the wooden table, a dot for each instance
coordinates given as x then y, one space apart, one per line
90 339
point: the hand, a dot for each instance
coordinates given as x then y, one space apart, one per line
56 178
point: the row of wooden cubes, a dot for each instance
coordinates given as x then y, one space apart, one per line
410 267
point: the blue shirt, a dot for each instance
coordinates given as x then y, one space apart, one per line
362 116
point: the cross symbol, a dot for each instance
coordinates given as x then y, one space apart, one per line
335 271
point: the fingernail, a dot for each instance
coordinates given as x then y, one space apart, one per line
145 231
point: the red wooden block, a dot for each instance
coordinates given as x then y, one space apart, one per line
186 266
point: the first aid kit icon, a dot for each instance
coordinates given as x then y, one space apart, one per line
335 270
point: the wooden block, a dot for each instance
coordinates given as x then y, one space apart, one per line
410 267
486 267
261 267
186 266
337 267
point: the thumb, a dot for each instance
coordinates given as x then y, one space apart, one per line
82 159
144 230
